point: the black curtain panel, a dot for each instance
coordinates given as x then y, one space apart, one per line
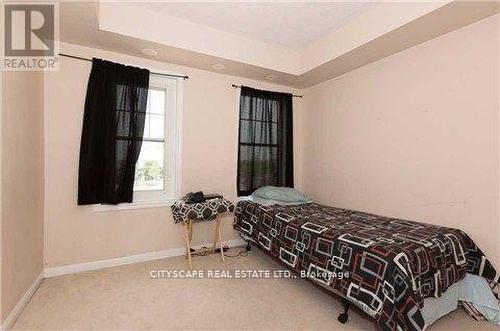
113 126
265 152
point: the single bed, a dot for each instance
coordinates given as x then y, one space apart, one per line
385 266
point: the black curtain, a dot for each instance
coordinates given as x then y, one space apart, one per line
113 126
265 151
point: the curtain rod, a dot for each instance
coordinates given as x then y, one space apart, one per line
293 95
90 60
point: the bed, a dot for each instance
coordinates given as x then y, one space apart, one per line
385 266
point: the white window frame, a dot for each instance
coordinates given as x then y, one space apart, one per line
172 151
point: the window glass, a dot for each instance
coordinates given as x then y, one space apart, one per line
149 170
150 167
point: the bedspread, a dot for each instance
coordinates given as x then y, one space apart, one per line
388 265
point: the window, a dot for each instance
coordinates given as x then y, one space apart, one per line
150 167
156 176
265 149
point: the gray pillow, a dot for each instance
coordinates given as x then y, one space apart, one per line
267 202
285 195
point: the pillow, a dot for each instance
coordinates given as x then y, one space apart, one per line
280 194
267 202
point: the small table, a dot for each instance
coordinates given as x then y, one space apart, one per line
204 211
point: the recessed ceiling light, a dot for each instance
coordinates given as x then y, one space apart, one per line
218 66
271 77
149 51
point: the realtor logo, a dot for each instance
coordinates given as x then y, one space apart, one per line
30 36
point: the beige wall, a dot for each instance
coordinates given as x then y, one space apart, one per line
22 184
415 135
209 152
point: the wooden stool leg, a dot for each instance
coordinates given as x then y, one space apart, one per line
190 231
188 243
216 233
220 237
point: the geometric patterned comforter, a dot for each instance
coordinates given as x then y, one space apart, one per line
392 264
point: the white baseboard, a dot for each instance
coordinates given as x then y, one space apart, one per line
88 266
21 304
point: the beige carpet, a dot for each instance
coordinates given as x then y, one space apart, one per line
128 298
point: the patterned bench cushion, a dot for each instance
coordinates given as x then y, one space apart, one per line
204 211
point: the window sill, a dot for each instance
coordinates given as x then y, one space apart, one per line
135 205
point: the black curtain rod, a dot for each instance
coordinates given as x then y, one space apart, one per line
293 95
90 60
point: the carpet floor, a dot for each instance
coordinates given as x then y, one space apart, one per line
129 298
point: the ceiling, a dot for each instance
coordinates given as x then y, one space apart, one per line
299 44
290 24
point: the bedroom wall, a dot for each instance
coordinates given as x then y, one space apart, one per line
21 185
414 135
209 152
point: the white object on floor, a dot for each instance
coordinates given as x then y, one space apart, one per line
473 289
435 308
